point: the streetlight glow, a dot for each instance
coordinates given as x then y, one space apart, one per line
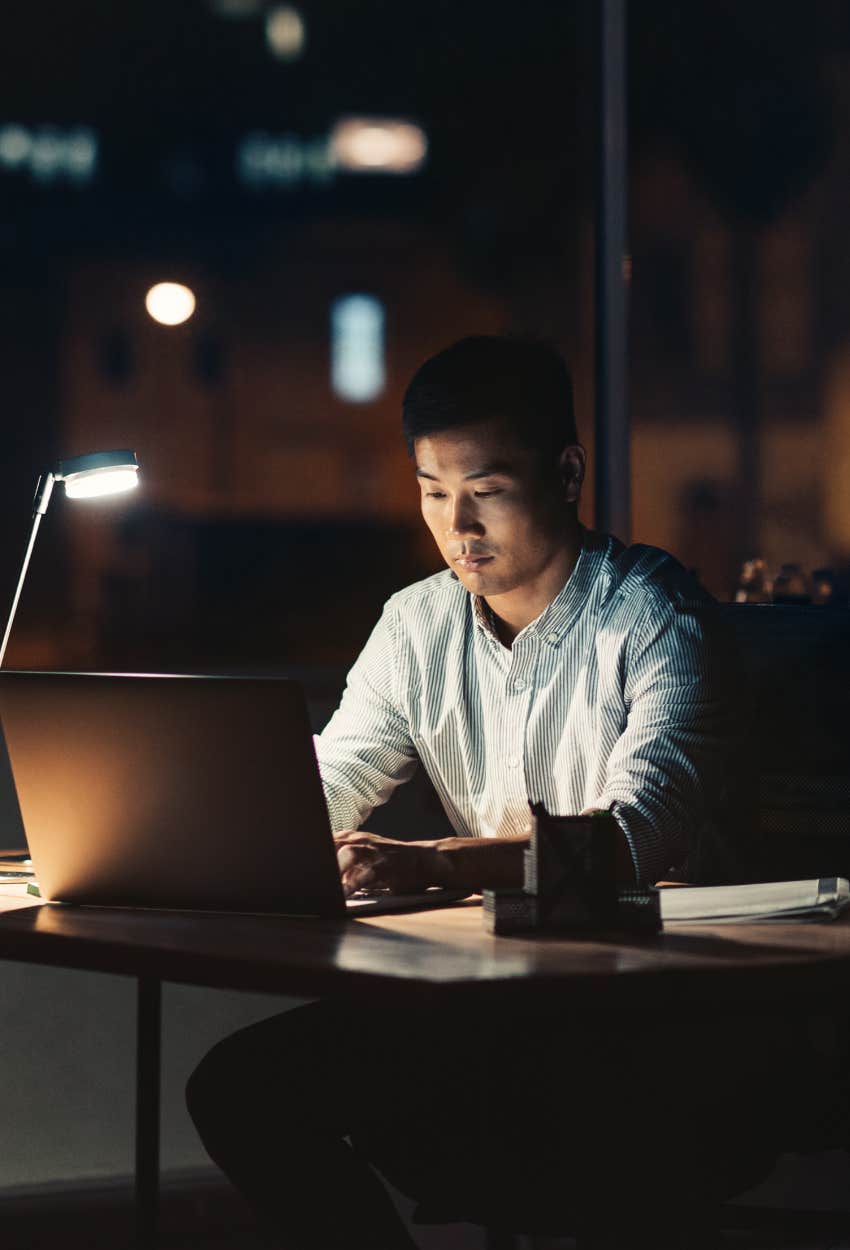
170 303
378 145
285 32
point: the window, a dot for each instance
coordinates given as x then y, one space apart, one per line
357 348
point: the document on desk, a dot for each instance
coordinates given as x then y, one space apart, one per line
822 898
15 895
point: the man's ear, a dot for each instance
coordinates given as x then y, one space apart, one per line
571 466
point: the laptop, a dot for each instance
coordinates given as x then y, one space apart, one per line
198 793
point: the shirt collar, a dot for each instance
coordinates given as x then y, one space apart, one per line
556 620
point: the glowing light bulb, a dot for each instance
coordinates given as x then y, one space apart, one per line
170 303
102 482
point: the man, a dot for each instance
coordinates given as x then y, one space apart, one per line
545 663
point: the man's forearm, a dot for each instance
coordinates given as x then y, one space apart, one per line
494 863
480 863
369 861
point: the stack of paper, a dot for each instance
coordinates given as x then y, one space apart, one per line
823 898
16 868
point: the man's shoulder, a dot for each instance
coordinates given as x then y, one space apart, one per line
423 603
651 577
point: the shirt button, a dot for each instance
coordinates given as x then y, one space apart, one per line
519 684
513 761
553 638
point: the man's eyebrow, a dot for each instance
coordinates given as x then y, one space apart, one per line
495 468
498 467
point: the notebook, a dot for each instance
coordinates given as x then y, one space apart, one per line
175 792
821 898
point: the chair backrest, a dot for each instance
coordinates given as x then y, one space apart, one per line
796 667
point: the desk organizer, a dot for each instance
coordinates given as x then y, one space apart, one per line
570 882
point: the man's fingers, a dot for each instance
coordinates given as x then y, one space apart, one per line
361 877
359 867
346 857
349 855
369 863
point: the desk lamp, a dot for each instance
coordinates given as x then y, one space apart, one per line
85 477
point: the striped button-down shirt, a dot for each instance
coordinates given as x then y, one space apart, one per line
611 698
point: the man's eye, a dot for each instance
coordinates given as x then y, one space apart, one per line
484 494
435 494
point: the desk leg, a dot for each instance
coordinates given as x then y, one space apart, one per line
148 1043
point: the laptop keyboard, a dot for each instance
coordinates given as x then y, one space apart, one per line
386 901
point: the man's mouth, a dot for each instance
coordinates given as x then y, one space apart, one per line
472 563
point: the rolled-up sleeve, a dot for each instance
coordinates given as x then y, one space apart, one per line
365 751
673 754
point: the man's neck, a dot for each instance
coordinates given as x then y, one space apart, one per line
511 612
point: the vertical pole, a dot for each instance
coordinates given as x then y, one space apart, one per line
613 471
745 356
148 1043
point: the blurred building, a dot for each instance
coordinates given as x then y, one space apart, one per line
239 427
277 509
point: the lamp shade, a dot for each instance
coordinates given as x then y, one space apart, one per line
98 473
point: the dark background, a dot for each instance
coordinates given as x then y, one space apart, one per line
276 516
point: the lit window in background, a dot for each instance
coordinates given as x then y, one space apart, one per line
170 303
15 146
355 145
358 372
49 153
285 32
282 161
378 145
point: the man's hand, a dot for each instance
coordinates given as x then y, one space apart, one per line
370 862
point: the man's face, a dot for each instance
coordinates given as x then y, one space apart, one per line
497 516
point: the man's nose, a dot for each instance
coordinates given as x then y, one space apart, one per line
462 520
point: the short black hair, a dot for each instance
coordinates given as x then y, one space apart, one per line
525 382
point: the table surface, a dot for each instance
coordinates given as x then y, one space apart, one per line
445 955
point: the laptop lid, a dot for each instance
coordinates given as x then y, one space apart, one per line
167 791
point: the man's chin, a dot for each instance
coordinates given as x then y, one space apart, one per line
482 582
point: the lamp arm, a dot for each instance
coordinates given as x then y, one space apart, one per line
43 492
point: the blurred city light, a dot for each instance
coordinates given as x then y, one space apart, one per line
236 8
15 146
48 153
170 303
358 372
283 160
285 32
378 145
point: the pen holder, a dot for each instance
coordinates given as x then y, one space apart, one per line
570 882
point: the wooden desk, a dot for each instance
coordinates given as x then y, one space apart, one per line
433 958
440 956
